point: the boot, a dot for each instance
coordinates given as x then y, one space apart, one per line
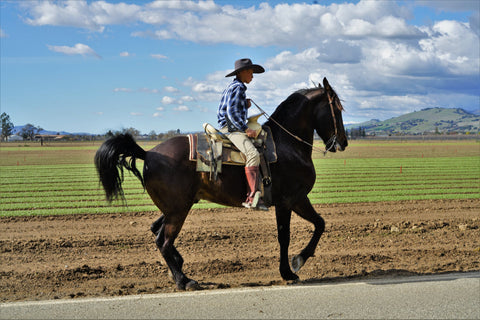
253 199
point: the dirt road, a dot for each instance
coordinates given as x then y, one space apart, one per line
58 257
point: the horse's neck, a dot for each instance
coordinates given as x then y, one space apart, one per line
298 128
300 123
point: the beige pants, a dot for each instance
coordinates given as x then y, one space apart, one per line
245 145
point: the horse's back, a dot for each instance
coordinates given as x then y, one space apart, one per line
176 148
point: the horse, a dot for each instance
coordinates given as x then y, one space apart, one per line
174 185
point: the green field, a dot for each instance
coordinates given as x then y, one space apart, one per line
61 178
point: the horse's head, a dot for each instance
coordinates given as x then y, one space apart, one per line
327 117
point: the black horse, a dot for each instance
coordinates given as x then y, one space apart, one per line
174 185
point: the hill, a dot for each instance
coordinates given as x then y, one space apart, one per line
18 129
430 120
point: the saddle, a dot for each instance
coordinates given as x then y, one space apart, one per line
213 149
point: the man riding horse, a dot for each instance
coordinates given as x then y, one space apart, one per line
232 119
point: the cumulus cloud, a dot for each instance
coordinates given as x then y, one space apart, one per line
187 99
181 108
377 60
168 100
207 22
92 16
79 48
126 54
158 56
171 89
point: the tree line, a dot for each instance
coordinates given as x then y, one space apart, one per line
29 131
355 133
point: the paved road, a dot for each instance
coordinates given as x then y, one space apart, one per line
447 296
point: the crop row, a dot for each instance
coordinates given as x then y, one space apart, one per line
66 189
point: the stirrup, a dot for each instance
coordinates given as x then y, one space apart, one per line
256 203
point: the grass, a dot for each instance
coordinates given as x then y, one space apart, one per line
61 179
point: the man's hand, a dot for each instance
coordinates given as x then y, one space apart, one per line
251 133
249 103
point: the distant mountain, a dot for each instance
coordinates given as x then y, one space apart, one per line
18 129
430 120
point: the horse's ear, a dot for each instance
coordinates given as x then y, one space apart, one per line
320 85
325 83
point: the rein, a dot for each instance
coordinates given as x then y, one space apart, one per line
332 141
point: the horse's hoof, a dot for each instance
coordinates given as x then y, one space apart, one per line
192 285
297 263
289 276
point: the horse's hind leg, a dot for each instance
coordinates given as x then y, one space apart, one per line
305 210
158 228
167 234
155 227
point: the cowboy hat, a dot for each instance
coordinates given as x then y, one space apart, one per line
243 64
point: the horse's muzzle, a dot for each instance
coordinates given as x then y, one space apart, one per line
341 145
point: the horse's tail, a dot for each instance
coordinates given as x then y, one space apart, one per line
110 159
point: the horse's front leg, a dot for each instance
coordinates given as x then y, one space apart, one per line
283 227
305 210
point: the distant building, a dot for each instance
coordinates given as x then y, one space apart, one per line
15 138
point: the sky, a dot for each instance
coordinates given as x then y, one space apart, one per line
94 66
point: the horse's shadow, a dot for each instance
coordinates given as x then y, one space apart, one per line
375 277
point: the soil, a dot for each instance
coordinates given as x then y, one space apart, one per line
63 257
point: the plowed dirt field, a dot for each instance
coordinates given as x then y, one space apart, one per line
63 257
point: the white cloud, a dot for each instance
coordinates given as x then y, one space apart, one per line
187 99
122 90
136 114
171 89
369 50
207 88
159 56
79 48
168 100
157 115
181 108
148 90
92 16
207 22
2 33
126 54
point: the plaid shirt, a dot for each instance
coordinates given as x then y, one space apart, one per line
233 105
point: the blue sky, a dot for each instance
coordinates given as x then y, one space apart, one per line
94 66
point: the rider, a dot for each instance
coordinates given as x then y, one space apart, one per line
232 118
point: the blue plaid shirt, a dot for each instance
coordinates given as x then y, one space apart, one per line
234 106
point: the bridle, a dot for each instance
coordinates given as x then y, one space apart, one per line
329 145
333 139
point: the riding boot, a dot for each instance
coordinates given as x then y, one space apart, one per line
253 199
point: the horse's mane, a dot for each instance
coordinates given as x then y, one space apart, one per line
293 104
313 92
